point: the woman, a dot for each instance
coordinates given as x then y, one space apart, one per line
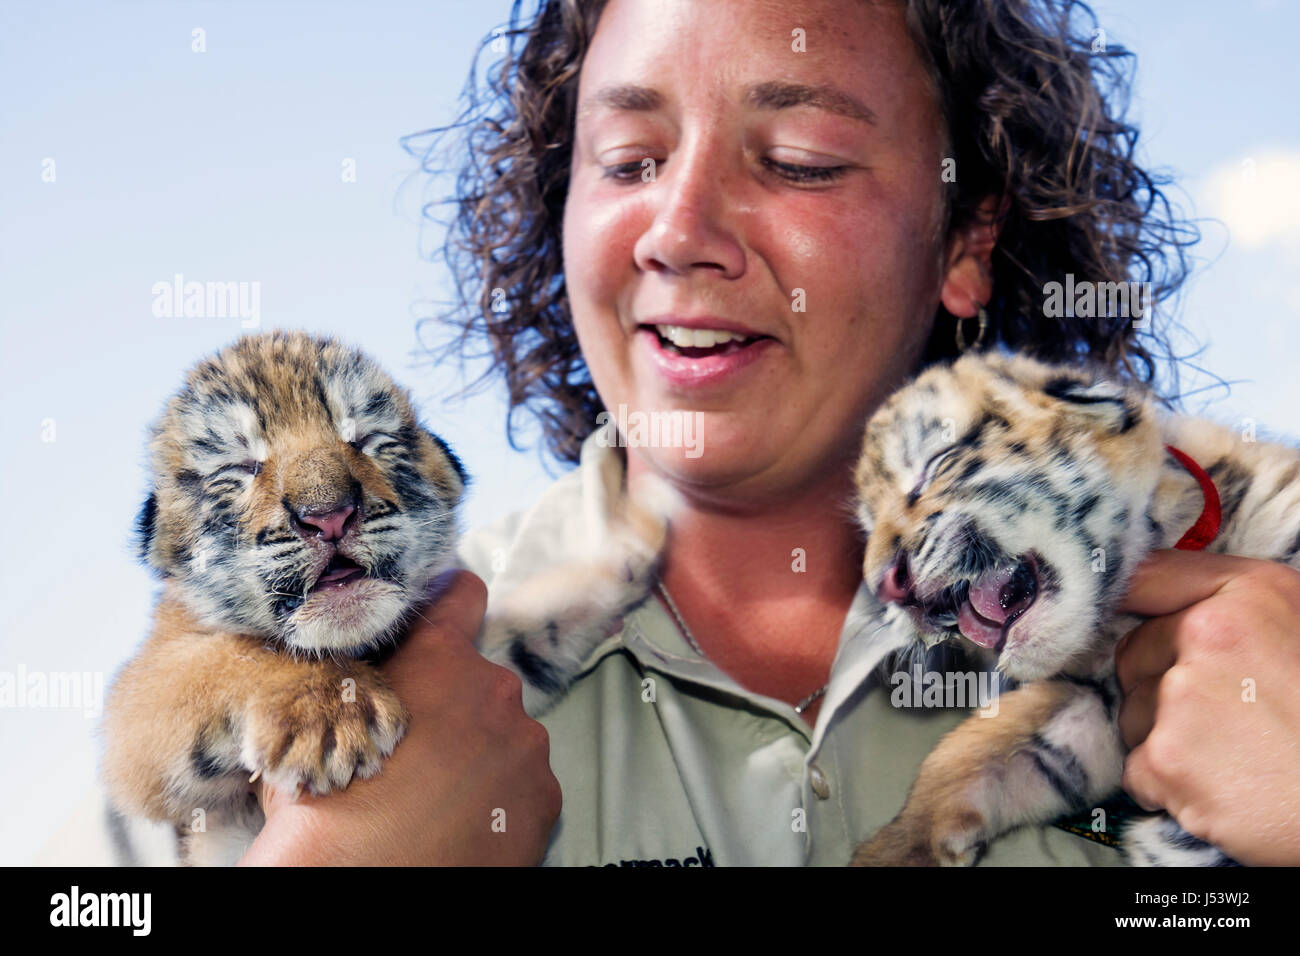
839 187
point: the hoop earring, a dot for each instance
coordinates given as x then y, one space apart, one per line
961 339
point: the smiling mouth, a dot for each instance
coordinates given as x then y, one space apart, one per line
701 343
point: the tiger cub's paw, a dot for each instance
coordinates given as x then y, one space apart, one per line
915 840
1157 840
320 734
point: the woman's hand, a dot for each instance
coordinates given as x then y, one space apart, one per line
1211 710
471 757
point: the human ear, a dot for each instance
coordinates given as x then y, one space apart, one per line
968 276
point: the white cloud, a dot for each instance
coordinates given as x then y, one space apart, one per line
1258 198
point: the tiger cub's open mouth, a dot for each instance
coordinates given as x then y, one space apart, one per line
338 573
983 611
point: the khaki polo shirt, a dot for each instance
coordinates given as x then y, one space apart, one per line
665 760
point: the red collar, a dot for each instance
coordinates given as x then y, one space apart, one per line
1207 525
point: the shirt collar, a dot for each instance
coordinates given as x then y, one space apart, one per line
649 632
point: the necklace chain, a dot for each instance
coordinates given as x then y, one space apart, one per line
799 708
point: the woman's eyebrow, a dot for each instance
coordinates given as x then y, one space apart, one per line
772 95
780 95
624 96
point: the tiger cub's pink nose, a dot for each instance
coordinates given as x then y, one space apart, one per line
896 587
330 525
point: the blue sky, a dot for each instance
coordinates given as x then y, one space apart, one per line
227 165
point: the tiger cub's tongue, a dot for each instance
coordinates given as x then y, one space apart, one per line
981 618
338 570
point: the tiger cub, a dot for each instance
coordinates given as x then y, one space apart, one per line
298 516
1007 502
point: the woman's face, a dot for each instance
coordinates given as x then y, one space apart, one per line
793 200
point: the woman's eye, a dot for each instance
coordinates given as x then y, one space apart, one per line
794 172
804 174
630 172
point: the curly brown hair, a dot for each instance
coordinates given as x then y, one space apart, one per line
1034 110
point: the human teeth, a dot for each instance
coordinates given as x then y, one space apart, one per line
685 338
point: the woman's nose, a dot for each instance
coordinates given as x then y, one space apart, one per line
693 219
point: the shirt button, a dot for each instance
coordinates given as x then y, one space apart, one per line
820 786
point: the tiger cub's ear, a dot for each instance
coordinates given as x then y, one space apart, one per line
460 478
146 531
1107 403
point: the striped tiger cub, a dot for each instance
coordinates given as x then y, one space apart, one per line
298 516
1007 502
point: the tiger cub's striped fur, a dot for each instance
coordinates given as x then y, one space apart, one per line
298 516
1007 503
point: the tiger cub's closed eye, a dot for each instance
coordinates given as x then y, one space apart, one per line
250 468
